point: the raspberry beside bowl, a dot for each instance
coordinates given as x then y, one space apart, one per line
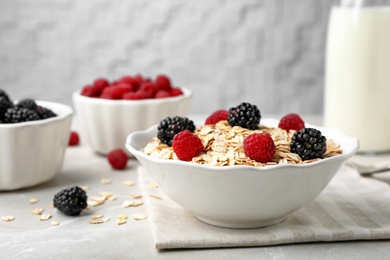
242 196
32 152
105 124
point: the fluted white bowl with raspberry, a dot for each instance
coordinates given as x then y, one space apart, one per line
242 196
106 123
32 152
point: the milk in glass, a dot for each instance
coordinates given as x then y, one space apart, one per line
357 81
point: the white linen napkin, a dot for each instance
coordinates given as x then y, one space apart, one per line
350 208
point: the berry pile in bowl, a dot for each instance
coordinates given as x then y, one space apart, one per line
239 170
34 135
108 111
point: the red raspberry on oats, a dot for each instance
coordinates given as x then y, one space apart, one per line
216 116
291 121
259 147
186 145
117 159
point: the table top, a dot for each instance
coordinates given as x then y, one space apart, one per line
29 238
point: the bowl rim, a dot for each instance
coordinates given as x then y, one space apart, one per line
187 93
66 111
344 156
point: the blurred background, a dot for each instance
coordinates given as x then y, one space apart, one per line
267 52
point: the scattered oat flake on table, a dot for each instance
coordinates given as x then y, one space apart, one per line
155 196
111 198
137 203
93 203
136 196
105 194
124 216
96 216
7 218
121 221
153 184
37 211
105 181
106 219
98 198
55 223
127 203
96 221
128 183
45 217
139 216
33 200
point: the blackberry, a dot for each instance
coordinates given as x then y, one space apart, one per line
5 104
169 127
308 143
4 94
28 103
71 201
45 113
245 115
18 114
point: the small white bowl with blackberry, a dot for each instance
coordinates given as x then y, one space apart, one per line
247 173
33 136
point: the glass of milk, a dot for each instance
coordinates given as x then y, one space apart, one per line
357 73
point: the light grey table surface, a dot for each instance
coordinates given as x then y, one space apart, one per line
28 238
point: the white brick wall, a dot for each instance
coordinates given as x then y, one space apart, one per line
268 52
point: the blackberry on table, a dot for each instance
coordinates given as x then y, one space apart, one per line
71 201
308 143
45 113
245 115
169 127
18 114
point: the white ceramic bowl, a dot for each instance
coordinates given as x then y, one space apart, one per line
32 152
242 196
105 124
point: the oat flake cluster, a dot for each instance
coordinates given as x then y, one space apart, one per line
223 145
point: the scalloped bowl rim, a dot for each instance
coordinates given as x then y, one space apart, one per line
353 146
112 102
65 112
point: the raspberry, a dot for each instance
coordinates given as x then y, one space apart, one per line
117 159
135 95
99 84
71 201
186 145
131 81
149 88
163 83
308 143
88 91
176 92
217 116
259 147
245 115
169 127
112 93
291 122
74 138
162 94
